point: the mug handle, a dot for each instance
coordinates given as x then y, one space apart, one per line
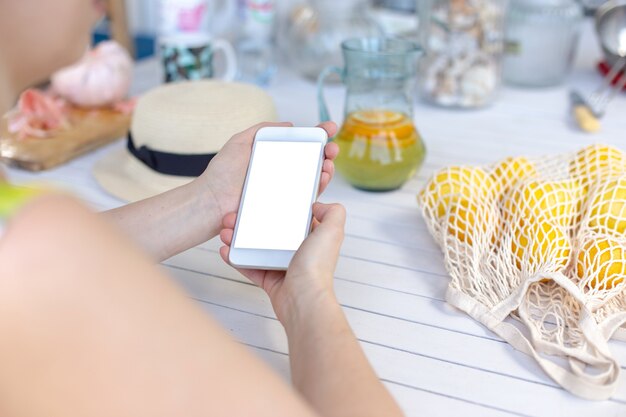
323 108
229 55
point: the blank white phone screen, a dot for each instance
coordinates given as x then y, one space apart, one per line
277 200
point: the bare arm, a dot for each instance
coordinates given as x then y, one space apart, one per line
172 222
328 366
182 218
90 327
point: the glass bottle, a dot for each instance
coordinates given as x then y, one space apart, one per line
255 49
542 36
463 41
314 30
380 148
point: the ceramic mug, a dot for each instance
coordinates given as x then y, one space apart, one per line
191 57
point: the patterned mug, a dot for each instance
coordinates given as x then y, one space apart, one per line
190 57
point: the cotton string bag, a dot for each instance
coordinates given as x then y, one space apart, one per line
536 249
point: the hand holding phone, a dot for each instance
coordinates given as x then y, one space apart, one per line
280 188
309 279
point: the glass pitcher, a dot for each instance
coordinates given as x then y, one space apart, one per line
380 148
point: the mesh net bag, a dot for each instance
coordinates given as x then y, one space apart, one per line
536 249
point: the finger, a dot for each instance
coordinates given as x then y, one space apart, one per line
224 251
328 171
324 181
329 167
248 134
329 127
229 220
261 125
254 275
314 223
332 214
329 232
331 150
226 235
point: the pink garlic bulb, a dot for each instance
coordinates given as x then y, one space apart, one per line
101 78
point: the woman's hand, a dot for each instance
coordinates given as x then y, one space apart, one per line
184 217
309 278
225 175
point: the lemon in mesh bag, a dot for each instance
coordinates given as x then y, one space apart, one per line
601 263
540 245
452 184
556 201
607 210
568 296
594 164
510 171
457 196
597 161
469 220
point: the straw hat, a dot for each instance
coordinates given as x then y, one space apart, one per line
176 129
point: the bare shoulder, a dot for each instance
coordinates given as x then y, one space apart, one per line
42 223
54 237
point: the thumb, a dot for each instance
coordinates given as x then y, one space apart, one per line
329 217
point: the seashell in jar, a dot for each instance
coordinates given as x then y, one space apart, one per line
478 83
462 15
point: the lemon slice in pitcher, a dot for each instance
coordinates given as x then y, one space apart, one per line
383 128
377 117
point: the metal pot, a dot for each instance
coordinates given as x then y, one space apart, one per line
610 22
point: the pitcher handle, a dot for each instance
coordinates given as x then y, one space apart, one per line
323 108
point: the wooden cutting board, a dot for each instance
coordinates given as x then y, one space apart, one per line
89 130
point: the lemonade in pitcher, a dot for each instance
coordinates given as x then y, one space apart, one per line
379 149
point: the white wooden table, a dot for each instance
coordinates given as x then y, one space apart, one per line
391 280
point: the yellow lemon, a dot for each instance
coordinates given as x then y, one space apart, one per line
604 261
594 163
540 243
597 161
510 171
454 183
468 220
608 208
553 200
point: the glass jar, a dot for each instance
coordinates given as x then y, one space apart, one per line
463 41
313 32
380 148
542 36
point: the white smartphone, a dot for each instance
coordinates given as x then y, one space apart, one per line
276 205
